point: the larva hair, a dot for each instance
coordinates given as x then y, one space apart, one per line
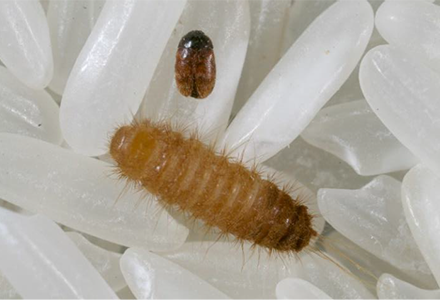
182 171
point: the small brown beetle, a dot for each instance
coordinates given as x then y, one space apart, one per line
195 65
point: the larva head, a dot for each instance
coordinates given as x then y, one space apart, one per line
131 147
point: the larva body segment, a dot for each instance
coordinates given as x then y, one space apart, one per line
185 172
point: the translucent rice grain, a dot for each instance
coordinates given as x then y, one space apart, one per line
330 278
295 288
105 262
78 192
70 24
126 293
303 12
352 132
421 204
371 266
153 277
299 16
45 5
27 112
315 168
305 78
413 26
268 20
403 93
114 69
25 43
232 270
7 291
390 287
40 261
373 218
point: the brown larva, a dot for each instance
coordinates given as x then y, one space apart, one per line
186 173
195 65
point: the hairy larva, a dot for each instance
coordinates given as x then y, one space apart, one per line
186 173
195 65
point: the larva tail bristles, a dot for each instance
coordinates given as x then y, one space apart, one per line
140 199
319 249
122 192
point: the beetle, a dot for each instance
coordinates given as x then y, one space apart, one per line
195 69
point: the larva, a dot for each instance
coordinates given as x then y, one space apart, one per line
186 173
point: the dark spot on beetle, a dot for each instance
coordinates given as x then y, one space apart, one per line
195 69
39 125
